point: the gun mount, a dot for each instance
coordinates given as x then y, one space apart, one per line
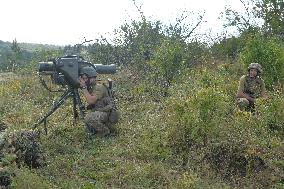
66 71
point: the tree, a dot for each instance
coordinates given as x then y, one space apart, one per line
266 14
16 53
246 21
272 12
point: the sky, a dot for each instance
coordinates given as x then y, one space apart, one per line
68 22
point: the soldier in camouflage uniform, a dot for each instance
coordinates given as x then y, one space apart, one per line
99 103
251 87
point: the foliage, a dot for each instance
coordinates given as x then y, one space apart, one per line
197 122
265 14
205 128
272 11
179 125
169 60
243 21
102 52
197 111
139 40
137 157
227 48
272 112
269 53
15 56
201 114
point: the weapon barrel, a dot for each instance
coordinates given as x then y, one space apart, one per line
45 66
105 69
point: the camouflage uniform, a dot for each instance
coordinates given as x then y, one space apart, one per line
17 149
254 87
96 118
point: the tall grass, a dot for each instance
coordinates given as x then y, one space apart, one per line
192 138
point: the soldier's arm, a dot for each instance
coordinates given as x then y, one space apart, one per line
240 92
93 95
90 98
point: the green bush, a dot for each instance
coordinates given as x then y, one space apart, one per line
269 53
198 117
272 112
197 112
227 49
168 60
205 127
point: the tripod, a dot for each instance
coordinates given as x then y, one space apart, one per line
70 92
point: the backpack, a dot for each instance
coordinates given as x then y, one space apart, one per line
114 114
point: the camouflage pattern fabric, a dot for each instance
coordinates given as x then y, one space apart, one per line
6 176
243 103
98 90
97 119
22 148
28 149
17 149
96 123
252 86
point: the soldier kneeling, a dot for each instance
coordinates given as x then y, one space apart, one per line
251 87
100 103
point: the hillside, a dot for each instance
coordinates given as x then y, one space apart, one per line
153 147
27 52
180 126
30 47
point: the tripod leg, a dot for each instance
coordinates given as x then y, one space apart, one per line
79 103
54 107
75 112
88 130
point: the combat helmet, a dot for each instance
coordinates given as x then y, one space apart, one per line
89 71
256 66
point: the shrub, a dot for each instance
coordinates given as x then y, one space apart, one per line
169 60
272 113
205 128
199 104
267 52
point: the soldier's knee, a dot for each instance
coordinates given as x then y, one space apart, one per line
102 131
243 103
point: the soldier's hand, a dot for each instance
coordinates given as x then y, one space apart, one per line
82 82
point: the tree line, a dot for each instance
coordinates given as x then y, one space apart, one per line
149 46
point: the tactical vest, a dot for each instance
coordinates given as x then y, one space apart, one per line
107 104
104 104
253 86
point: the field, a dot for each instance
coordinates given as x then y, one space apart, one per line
193 138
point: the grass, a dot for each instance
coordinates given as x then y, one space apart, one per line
143 154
